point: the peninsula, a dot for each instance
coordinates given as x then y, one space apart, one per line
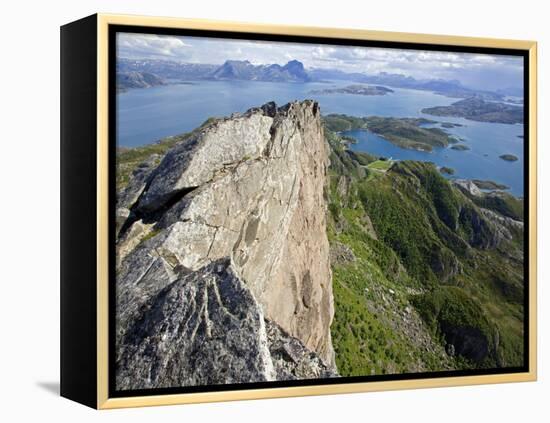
355 89
475 108
404 132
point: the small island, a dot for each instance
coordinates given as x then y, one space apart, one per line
404 132
348 140
447 170
477 109
449 125
355 89
509 157
409 132
489 185
340 122
460 147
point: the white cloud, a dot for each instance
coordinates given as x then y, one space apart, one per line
476 69
151 45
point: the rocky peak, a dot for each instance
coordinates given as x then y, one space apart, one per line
468 187
247 190
293 71
297 69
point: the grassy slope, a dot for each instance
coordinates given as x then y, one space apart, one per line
396 219
381 165
416 243
364 328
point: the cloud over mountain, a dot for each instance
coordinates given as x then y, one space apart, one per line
480 71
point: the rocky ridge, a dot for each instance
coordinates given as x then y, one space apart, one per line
223 272
292 71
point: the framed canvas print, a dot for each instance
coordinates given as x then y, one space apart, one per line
253 211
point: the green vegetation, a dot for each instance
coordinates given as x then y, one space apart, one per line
339 123
489 185
364 339
502 203
408 132
421 250
430 270
361 158
381 165
476 108
449 304
403 132
449 311
447 170
349 140
363 334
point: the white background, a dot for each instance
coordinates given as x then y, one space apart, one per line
29 238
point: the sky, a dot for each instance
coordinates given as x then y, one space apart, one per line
480 71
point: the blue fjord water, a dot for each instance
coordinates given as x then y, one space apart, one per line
147 115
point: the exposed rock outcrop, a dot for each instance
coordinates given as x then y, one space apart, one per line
206 328
291 359
341 254
468 187
487 228
247 190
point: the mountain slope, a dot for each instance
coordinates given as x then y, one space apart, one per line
366 266
435 279
230 221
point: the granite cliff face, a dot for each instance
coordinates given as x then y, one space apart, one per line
223 272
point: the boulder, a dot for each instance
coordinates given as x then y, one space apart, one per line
206 328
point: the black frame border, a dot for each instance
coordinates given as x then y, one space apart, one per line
114 29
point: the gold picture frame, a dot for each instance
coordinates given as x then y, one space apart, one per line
101 23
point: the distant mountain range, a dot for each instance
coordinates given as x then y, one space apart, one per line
294 71
448 88
167 69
